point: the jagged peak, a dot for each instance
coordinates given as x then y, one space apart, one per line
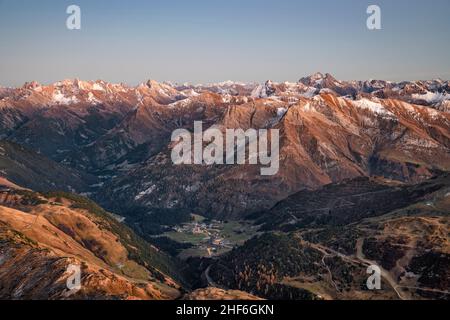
151 83
329 76
317 75
31 85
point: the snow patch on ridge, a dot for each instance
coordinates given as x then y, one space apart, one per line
374 107
432 97
309 93
180 103
91 98
97 87
281 112
259 92
60 98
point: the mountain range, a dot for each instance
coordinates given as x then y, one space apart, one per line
111 143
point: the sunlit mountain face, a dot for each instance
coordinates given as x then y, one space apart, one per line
87 178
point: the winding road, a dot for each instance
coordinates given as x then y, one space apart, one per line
384 273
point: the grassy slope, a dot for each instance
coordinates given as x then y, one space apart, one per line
139 249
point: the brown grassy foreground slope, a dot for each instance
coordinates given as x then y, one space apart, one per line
41 235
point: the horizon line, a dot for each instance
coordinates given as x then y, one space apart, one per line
180 83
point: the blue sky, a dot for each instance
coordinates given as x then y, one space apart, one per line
213 40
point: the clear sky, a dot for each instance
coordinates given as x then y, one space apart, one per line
214 40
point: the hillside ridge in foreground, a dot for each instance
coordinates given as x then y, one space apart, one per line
41 235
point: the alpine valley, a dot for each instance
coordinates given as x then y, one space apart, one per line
86 178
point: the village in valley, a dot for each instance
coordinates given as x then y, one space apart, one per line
211 237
